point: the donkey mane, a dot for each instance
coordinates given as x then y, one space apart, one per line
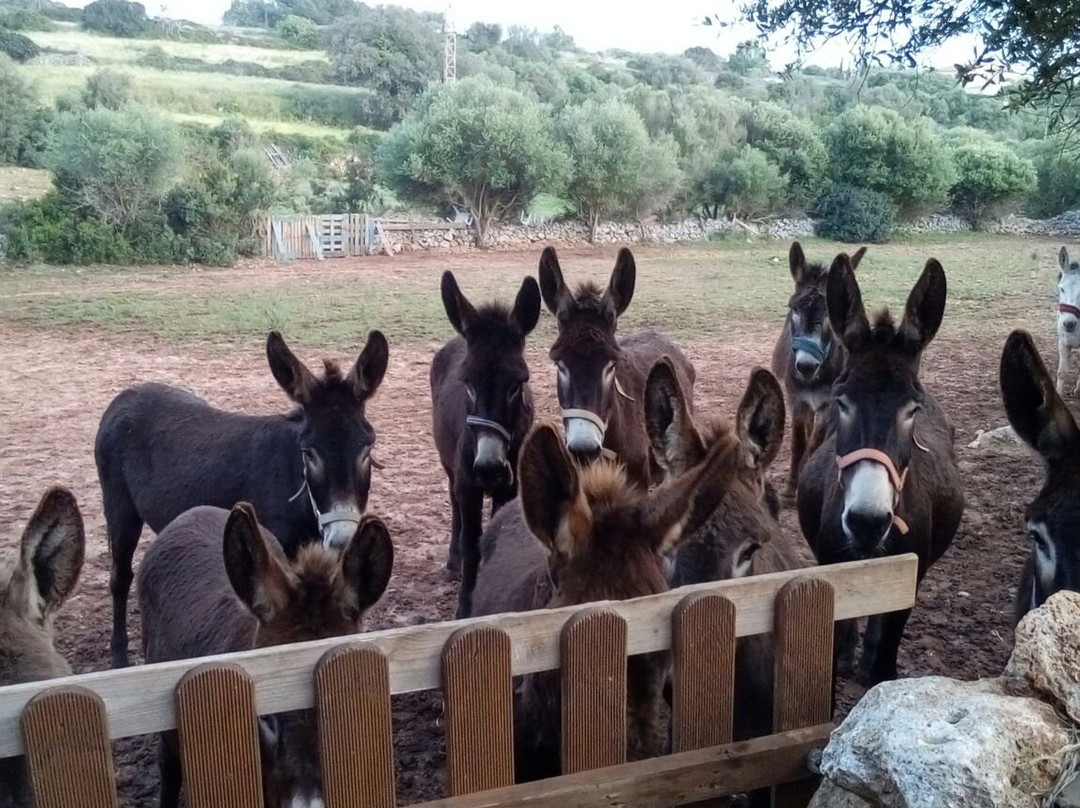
607 485
495 321
813 272
589 297
885 333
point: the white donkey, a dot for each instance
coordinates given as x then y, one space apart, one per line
1068 321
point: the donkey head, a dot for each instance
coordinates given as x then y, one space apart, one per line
1041 418
321 594
586 351
746 518
335 436
808 320
878 397
31 593
494 372
1068 298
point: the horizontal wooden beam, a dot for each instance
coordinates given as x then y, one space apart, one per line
678 779
139 700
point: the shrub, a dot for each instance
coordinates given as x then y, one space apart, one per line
23 122
300 31
116 17
792 144
1058 182
990 178
849 214
18 47
743 182
107 88
21 19
233 135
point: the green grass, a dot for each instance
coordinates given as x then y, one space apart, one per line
20 184
716 291
114 51
285 127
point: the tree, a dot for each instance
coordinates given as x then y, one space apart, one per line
16 46
659 181
792 144
116 17
744 183
488 149
608 149
704 58
483 36
989 179
661 71
299 31
107 88
22 119
253 13
749 59
876 149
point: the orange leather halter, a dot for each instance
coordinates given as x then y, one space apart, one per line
898 478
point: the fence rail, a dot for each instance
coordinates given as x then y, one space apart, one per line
64 725
337 235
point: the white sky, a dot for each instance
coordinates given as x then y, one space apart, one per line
668 27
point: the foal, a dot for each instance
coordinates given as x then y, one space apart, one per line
601 380
214 582
807 357
31 593
1052 520
884 481
1068 320
481 410
161 451
583 534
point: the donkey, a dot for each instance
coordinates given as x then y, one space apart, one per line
581 534
161 451
31 593
481 410
214 582
601 380
1052 520
807 357
885 480
1068 321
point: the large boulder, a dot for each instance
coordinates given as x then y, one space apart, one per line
1046 653
937 743
830 795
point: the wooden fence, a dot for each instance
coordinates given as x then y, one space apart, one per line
64 726
337 235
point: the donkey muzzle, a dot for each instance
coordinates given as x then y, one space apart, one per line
490 465
584 434
338 526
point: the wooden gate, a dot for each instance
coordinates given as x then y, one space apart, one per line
64 726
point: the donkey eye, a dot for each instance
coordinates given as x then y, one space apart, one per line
513 393
310 457
747 555
843 405
471 393
912 411
1036 538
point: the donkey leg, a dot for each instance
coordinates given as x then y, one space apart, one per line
1063 365
169 770
882 666
453 560
845 643
124 526
471 506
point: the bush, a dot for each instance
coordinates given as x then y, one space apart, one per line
21 19
853 215
23 123
116 17
1058 183
743 182
299 31
18 47
990 179
793 145
107 88
233 135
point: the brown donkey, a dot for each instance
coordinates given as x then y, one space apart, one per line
214 581
601 379
1052 520
807 357
578 535
481 410
31 593
885 480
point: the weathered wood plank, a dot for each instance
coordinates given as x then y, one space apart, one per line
679 779
139 699
703 681
479 710
69 755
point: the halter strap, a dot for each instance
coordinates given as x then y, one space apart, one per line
336 515
810 346
484 423
896 477
1069 308
586 415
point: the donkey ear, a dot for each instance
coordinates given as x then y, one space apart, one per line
1032 405
256 566
925 306
554 507
526 311
620 290
760 419
52 551
460 312
796 261
857 257
292 375
366 564
675 441
1063 260
844 302
552 285
367 374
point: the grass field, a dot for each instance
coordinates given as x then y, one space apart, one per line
261 125
20 184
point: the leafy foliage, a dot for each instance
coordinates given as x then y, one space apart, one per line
1058 182
793 145
16 46
854 215
743 182
299 31
23 122
107 88
990 178
116 18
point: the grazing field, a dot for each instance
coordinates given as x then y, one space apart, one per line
21 184
75 338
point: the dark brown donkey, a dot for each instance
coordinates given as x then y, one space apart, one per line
161 451
807 357
1052 520
601 379
481 410
885 479
214 582
32 590
577 535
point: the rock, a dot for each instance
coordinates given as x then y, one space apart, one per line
830 795
1046 652
935 742
1070 795
1002 437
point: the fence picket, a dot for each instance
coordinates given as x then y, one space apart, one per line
703 684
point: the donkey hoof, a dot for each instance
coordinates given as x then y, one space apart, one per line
453 564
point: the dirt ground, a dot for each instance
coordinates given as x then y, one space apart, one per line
58 383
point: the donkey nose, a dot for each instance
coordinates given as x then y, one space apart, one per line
1069 325
806 366
490 472
867 528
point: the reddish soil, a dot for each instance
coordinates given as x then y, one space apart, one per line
58 384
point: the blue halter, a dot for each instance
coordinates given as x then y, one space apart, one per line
810 346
